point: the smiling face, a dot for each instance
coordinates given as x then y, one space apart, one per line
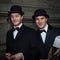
41 21
16 18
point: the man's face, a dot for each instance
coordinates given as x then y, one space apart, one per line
41 21
16 18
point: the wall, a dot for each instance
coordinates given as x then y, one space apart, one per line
29 6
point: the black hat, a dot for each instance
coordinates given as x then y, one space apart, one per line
16 9
40 12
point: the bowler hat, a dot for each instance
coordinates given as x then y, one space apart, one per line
40 12
16 9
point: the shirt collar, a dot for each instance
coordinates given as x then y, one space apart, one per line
46 27
19 25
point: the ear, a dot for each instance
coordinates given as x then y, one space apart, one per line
46 19
22 17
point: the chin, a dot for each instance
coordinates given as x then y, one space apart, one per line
15 24
41 27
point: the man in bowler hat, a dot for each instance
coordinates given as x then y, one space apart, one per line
45 32
20 41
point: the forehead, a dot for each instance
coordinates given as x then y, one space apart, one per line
13 14
40 17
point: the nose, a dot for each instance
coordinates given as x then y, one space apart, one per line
14 18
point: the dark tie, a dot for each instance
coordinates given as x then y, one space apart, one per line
16 29
42 31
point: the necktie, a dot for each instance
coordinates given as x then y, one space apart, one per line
43 35
42 31
16 29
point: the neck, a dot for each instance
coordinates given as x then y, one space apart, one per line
18 25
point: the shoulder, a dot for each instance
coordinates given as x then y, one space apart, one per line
53 28
57 30
28 29
9 31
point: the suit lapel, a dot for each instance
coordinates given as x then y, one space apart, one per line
12 38
20 33
39 37
49 36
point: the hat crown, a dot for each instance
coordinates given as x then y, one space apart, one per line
40 11
16 8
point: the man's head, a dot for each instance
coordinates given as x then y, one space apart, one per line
40 16
16 14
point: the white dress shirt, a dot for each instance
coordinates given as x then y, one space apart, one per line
57 42
15 32
43 34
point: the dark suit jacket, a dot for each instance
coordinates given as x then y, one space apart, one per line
24 42
50 37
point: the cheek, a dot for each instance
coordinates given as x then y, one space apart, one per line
44 22
36 22
18 20
39 22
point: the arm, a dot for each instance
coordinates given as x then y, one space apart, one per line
50 53
18 56
57 52
8 56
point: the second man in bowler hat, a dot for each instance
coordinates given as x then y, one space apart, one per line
45 32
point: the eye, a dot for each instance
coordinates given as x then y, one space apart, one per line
37 18
42 18
17 16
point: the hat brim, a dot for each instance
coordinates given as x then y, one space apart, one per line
9 12
34 16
